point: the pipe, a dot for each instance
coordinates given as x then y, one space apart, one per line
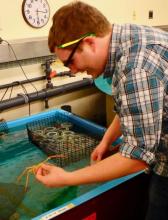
45 93
17 83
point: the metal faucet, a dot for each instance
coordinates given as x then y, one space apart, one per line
49 74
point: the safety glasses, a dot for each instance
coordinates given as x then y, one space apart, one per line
77 42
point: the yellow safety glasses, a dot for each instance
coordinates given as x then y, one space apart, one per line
77 42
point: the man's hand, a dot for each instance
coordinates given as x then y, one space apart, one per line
112 133
99 152
51 176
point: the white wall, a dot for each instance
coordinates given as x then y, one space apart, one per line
133 11
13 26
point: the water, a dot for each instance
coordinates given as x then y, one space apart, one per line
17 153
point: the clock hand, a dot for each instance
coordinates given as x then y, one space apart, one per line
42 11
38 20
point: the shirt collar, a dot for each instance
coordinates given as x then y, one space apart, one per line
114 46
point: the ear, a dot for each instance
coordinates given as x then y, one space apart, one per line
91 42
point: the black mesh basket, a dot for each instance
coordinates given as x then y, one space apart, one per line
60 137
3 127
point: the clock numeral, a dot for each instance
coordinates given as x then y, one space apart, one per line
31 1
29 5
27 11
42 20
44 5
30 17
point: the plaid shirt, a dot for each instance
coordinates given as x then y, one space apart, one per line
138 65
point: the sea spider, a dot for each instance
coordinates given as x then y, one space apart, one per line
28 170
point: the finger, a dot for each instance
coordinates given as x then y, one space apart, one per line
99 157
39 175
94 155
43 170
39 171
46 166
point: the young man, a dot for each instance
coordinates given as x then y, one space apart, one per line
136 59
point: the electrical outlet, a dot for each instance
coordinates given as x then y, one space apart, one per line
150 14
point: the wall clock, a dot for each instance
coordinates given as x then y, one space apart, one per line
36 12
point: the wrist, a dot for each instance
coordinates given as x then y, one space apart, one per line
105 143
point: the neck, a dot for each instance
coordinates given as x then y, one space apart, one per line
104 44
107 42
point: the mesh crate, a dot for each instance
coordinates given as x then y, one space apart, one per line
59 136
3 127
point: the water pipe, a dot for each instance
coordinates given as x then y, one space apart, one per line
42 94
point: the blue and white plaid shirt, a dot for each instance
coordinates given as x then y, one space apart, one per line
138 65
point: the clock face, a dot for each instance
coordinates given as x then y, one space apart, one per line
36 12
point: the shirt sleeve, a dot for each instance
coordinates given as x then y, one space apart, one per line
140 102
